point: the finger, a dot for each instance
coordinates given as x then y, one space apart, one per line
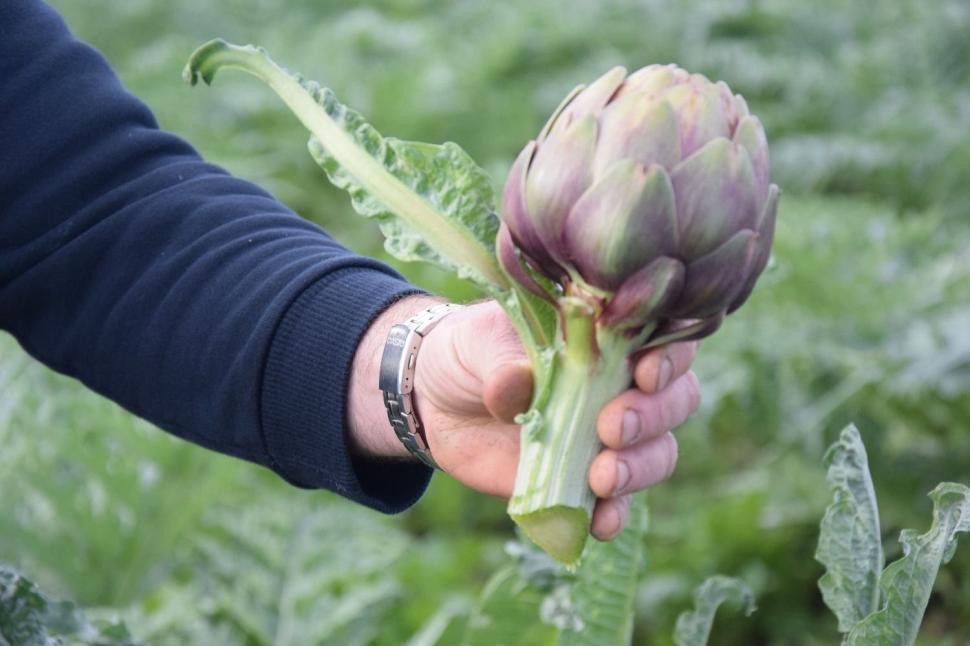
635 416
617 473
662 366
489 340
478 452
490 350
508 390
609 517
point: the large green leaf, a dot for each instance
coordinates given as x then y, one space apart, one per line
849 544
606 585
539 601
694 627
906 584
433 202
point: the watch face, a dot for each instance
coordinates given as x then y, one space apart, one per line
394 348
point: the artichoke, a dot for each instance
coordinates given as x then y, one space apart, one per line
647 196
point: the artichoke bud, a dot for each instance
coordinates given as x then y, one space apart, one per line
651 192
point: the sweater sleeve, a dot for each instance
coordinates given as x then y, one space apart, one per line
190 297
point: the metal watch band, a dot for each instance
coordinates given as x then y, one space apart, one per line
397 377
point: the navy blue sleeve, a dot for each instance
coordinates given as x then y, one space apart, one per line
190 297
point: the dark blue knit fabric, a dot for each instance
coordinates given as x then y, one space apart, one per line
190 297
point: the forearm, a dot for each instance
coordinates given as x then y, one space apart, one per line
188 296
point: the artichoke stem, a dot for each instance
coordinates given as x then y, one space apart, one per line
552 501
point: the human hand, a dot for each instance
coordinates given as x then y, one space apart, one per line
472 377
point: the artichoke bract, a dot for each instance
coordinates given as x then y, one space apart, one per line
647 195
644 213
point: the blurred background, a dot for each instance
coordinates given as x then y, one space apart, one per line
863 315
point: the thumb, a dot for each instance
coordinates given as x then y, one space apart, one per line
493 352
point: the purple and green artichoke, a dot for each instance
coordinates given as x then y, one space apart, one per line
647 195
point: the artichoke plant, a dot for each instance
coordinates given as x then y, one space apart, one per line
644 212
648 196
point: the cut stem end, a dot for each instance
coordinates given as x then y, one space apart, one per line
561 531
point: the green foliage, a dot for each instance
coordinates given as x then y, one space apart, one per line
906 584
281 575
28 617
863 314
849 544
434 204
77 461
507 612
538 601
694 627
876 606
606 585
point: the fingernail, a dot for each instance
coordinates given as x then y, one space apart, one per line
631 427
622 477
666 370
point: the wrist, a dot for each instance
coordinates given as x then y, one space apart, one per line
370 433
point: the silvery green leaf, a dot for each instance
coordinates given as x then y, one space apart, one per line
849 544
606 585
538 601
433 203
906 584
694 627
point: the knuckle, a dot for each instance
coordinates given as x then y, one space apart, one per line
602 473
653 414
681 354
690 351
490 335
609 423
682 402
620 513
672 452
647 369
693 390
669 408
624 503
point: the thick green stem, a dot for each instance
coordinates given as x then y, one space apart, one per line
552 501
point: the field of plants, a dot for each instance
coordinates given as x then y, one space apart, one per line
862 317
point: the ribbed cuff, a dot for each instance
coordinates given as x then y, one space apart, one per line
304 392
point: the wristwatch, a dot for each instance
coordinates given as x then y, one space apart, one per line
397 377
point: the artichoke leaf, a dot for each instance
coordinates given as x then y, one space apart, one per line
432 202
693 628
850 544
906 584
